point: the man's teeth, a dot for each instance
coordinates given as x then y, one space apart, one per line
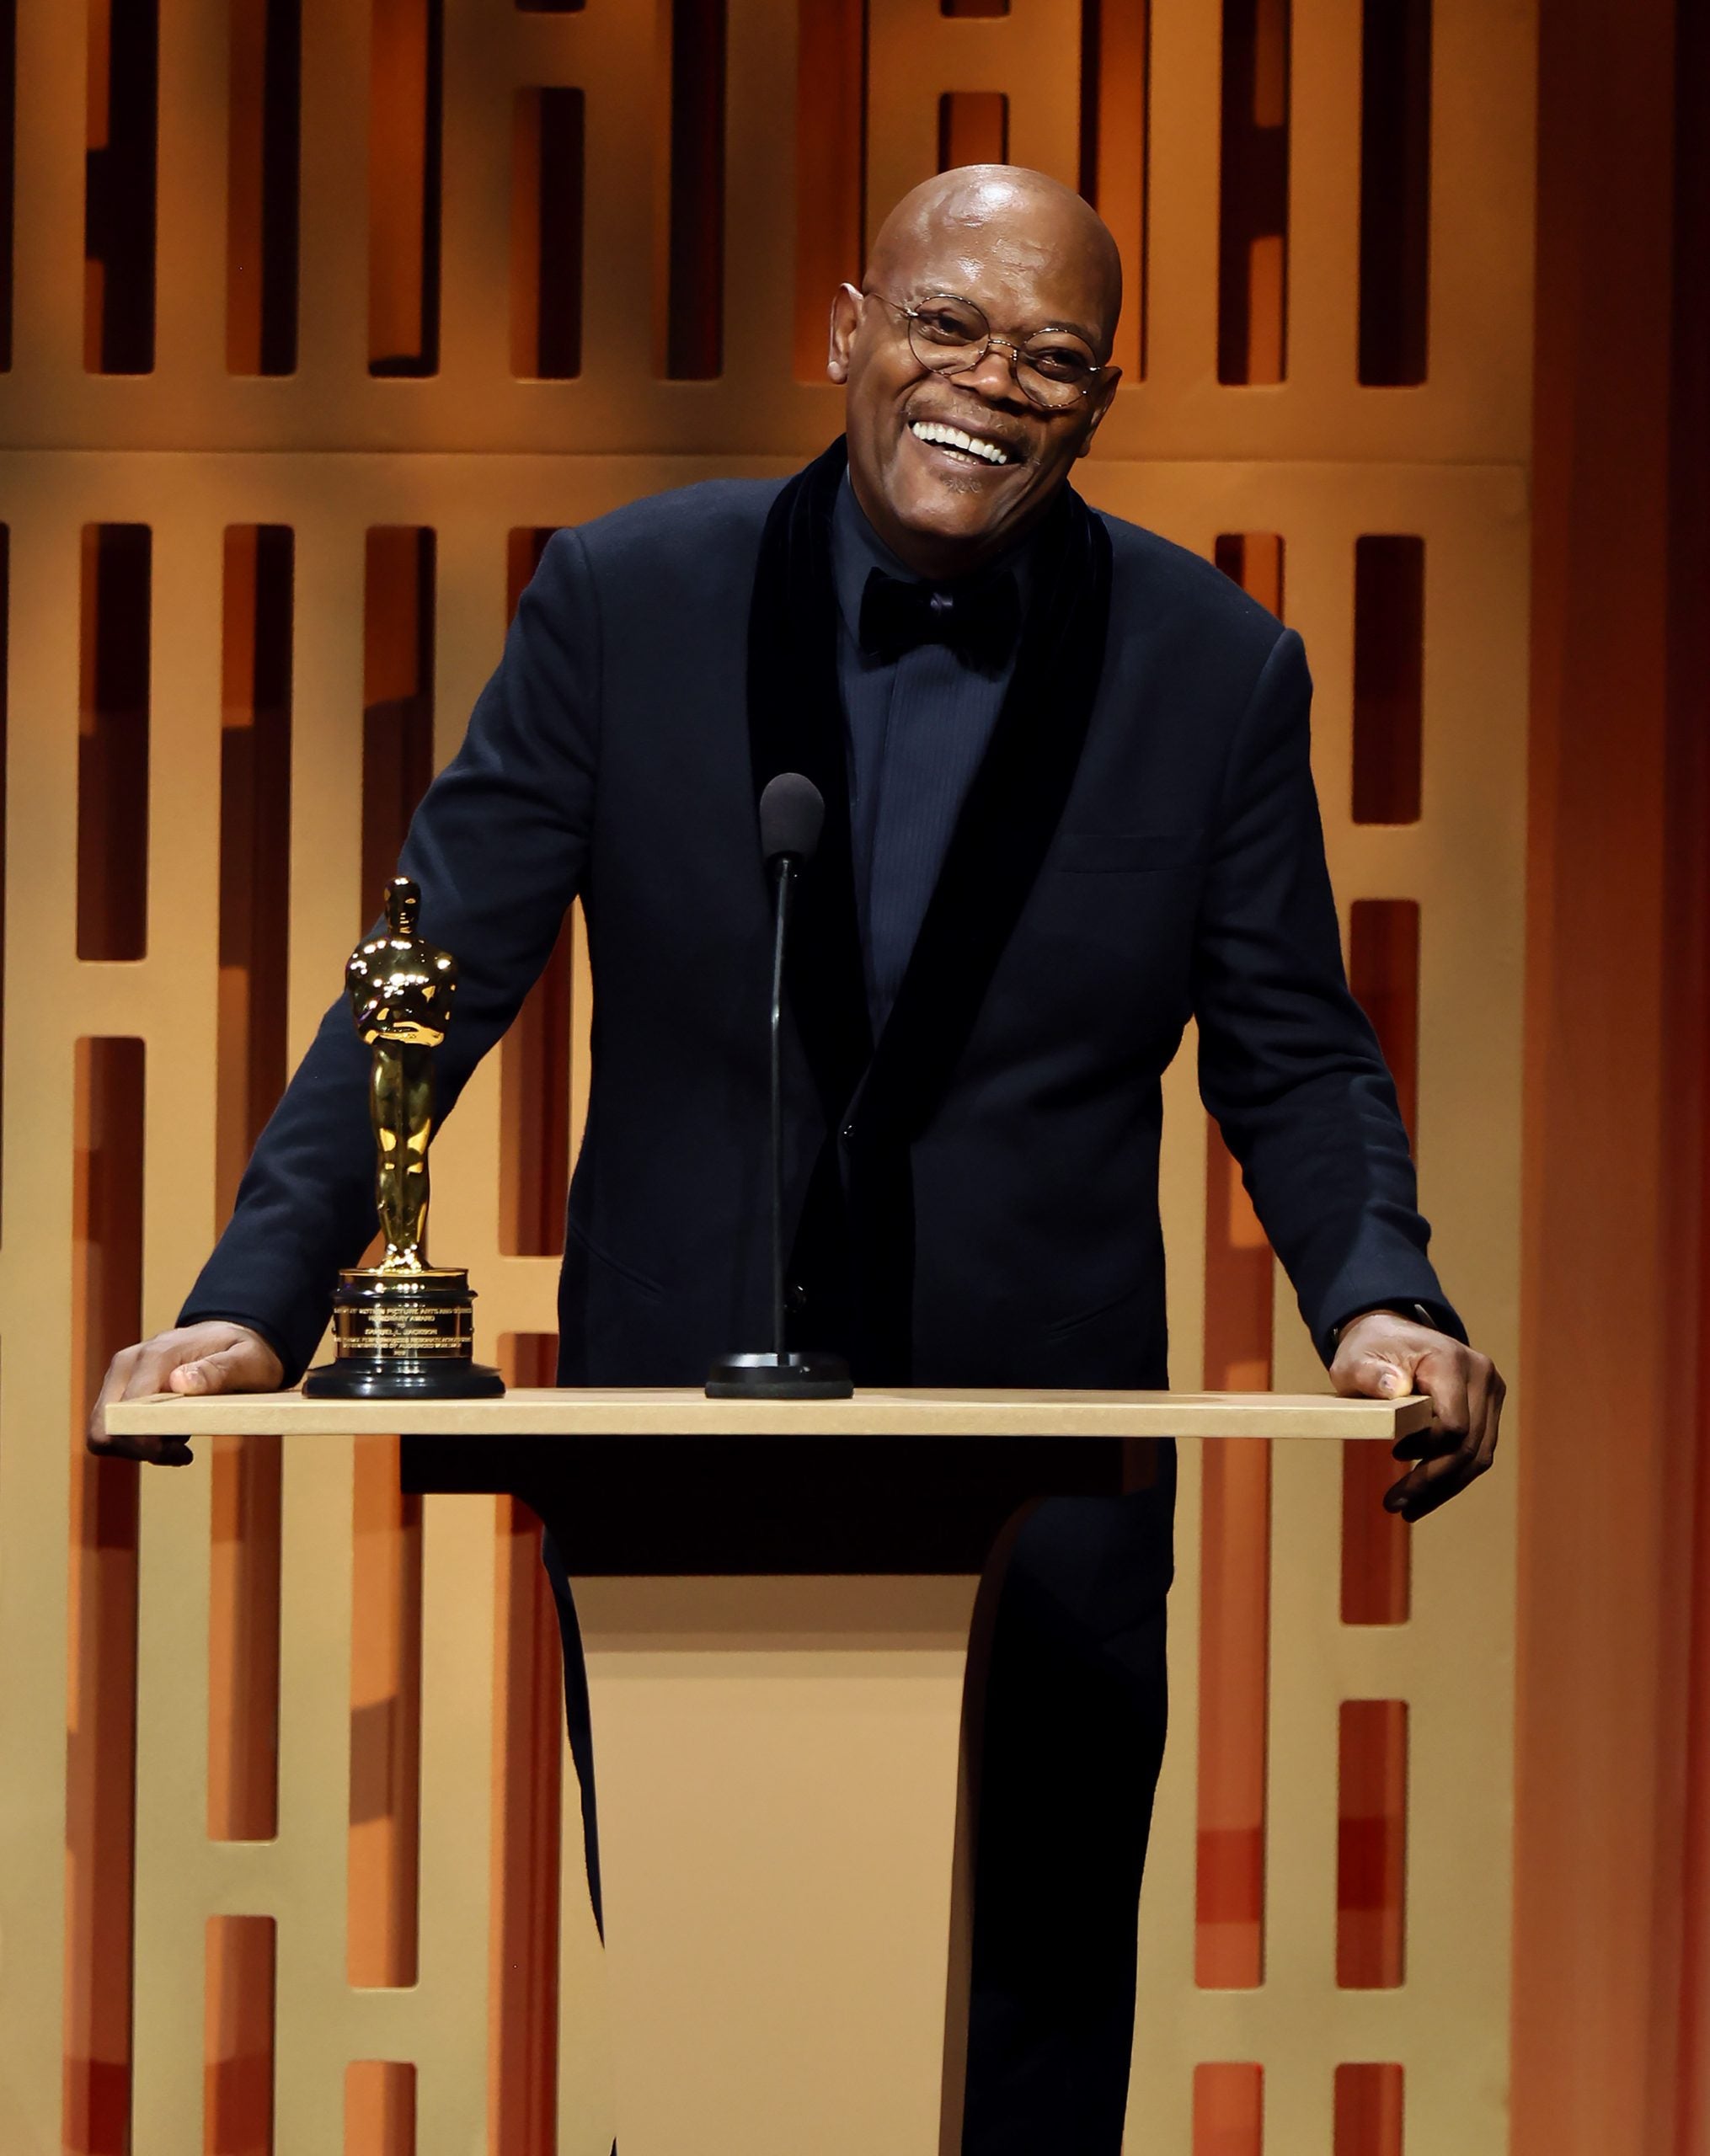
954 437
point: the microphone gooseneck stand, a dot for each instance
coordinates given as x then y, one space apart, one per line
791 812
786 883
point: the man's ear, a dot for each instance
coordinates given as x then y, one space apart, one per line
846 320
1101 405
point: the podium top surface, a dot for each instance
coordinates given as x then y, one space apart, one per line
639 1411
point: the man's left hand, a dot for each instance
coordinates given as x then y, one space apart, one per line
1383 1356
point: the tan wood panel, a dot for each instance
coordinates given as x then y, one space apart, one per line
905 1413
777 1772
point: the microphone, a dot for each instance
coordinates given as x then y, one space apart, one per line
792 816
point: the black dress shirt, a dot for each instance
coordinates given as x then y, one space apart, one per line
917 728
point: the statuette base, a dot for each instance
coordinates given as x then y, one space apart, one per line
403 1336
368 1377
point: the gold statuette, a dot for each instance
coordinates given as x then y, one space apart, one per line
403 1329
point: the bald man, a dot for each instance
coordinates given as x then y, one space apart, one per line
1069 807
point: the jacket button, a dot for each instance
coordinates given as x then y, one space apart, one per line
847 1132
797 1296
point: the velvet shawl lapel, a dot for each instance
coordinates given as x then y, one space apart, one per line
795 721
854 1253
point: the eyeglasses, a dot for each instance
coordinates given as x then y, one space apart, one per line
946 334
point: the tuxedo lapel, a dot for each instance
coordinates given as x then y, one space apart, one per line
795 717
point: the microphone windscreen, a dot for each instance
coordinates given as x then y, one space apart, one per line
792 815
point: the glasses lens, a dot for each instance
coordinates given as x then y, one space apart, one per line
1056 374
946 332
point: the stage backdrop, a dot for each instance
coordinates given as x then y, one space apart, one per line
316 317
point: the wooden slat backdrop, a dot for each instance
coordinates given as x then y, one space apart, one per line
777 1758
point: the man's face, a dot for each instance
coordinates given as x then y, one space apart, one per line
945 510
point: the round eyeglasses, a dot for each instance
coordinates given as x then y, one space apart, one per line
946 334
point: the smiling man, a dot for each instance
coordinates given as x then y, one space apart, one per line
1069 809
975 355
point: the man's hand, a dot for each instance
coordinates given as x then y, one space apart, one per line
1384 1356
214 1357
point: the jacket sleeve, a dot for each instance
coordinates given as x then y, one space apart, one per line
498 847
1288 1065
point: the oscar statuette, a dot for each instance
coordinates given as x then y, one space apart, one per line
403 1329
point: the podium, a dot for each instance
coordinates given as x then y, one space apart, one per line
644 1411
778 1763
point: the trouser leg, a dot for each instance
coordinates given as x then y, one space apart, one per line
577 1718
1067 1738
578 1721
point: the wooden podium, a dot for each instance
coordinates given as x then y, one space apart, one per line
641 1411
777 1764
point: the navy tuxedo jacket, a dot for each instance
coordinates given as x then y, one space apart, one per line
978 1198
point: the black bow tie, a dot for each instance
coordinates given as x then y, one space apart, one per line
977 620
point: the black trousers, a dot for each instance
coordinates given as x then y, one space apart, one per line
1064 1729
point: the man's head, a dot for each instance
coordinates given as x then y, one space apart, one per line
1042 268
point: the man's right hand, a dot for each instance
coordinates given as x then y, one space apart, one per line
213 1357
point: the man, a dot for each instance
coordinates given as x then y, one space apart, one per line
1069 807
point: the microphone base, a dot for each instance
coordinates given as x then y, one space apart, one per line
811 1376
